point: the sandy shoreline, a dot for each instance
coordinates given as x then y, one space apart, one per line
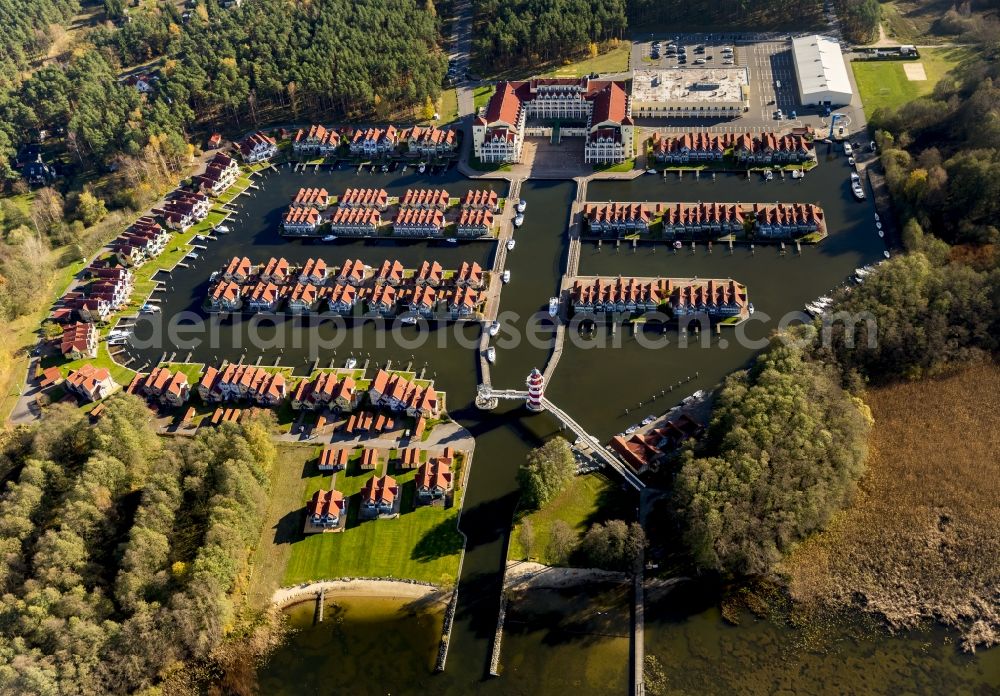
389 589
523 575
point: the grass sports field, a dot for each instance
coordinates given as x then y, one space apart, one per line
884 84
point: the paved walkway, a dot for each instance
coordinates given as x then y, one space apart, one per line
442 435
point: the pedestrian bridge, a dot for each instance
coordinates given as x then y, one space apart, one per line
489 395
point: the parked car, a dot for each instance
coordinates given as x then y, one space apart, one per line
699 61
777 114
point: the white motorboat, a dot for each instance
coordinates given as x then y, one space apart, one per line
631 429
648 419
510 244
858 190
797 173
768 175
651 171
222 229
521 205
750 308
491 354
452 240
877 217
408 320
885 253
851 161
553 306
506 276
351 363
421 167
330 238
211 278
518 220
494 328
677 244
881 233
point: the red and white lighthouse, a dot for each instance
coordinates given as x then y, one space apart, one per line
536 390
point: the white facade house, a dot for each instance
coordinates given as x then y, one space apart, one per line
821 72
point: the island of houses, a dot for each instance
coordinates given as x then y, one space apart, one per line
705 221
419 142
350 289
678 296
369 212
736 150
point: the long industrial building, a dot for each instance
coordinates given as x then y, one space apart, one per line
821 71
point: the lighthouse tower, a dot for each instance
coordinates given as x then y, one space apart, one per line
536 389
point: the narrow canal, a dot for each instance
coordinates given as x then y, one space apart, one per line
378 648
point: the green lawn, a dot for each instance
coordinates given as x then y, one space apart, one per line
615 59
587 499
626 166
482 94
421 544
447 107
883 84
478 165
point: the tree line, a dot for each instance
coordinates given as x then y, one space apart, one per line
522 33
121 551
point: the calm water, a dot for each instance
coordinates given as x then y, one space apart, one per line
378 647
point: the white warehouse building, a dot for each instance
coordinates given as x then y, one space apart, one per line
821 71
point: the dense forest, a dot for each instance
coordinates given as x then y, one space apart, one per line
735 15
784 451
121 550
234 68
26 33
527 32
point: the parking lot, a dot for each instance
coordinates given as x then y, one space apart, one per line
772 84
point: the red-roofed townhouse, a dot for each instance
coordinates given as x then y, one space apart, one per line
258 148
434 480
91 383
326 509
474 223
79 340
333 458
379 496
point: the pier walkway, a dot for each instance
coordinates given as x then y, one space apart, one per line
601 453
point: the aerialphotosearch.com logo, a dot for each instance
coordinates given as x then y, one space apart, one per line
316 335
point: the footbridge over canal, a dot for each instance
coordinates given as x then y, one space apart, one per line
487 398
